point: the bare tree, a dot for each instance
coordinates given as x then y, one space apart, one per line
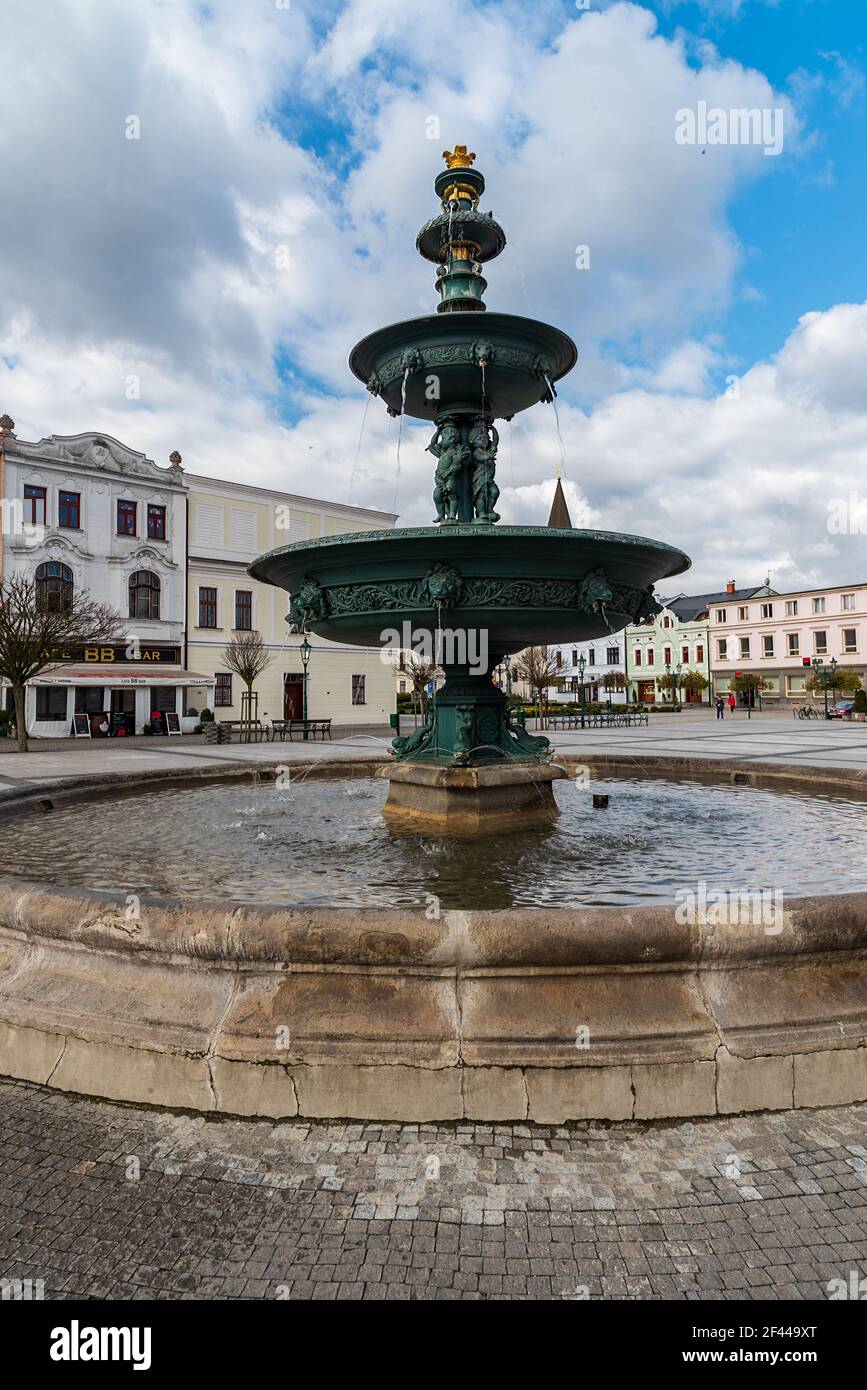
420 670
540 667
37 627
247 655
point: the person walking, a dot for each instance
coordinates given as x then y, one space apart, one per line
732 702
720 707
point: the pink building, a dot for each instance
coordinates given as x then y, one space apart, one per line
777 636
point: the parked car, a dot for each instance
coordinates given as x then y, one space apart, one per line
841 710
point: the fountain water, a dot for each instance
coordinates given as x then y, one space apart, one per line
491 589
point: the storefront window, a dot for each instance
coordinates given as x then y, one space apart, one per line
50 702
163 697
88 699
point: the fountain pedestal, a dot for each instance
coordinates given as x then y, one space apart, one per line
425 797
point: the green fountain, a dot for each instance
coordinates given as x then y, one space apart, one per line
469 589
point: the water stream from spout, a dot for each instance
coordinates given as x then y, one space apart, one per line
511 458
400 433
358 450
562 446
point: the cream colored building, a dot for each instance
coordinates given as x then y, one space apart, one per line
229 525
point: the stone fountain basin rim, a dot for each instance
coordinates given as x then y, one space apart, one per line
390 1017
223 931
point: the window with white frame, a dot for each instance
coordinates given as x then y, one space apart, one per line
720 615
768 644
791 608
847 603
722 649
767 610
819 605
744 646
743 614
850 639
820 642
793 644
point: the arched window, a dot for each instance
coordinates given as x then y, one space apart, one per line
53 587
144 595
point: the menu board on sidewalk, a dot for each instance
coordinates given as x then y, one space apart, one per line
173 723
81 725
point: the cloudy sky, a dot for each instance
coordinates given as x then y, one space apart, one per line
200 285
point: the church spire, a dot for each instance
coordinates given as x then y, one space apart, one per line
559 519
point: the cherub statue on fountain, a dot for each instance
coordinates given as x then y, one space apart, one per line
485 490
450 453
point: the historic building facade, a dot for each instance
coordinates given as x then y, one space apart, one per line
677 636
778 636
87 513
603 657
229 525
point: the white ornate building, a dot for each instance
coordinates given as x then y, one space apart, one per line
88 512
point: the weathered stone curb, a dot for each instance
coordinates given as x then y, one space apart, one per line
387 1015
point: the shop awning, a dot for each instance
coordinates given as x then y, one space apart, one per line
120 675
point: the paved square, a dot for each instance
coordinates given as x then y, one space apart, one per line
106 1201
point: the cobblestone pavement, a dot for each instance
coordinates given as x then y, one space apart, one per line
109 1201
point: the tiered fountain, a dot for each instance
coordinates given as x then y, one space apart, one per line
481 590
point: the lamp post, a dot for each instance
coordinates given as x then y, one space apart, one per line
826 673
306 649
668 681
582 662
677 670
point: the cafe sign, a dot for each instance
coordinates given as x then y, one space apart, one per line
119 654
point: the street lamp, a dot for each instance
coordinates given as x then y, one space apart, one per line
668 681
826 673
677 670
582 662
306 649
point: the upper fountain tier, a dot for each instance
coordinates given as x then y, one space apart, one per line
454 362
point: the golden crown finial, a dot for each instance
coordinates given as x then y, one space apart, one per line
458 158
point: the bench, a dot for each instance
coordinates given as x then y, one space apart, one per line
311 728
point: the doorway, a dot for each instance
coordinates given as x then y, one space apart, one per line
122 712
293 697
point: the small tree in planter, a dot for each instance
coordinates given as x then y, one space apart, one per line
247 655
844 681
749 684
693 682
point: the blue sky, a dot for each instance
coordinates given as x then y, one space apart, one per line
803 227
228 258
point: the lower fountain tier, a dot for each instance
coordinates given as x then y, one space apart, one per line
503 587
469 800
